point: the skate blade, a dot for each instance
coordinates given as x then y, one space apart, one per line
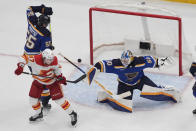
74 126
37 121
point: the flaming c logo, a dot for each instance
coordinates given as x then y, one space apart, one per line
46 72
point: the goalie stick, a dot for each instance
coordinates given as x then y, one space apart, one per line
75 81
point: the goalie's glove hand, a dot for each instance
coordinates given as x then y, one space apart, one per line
46 10
164 61
61 80
19 69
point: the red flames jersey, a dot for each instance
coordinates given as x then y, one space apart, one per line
39 68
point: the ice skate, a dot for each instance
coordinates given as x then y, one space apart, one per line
74 117
37 117
174 92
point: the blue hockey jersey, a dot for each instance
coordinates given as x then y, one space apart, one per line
130 75
38 38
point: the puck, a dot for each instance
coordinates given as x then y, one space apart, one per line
79 60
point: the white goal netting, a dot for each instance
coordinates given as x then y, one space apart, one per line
143 29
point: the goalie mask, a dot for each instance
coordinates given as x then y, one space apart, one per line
48 56
126 58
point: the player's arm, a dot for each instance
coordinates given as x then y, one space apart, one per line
31 17
57 70
42 9
192 69
23 60
152 62
99 66
145 62
106 66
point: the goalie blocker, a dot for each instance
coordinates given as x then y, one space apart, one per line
129 70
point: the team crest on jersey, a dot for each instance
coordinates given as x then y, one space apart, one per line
148 60
31 59
46 72
131 76
109 62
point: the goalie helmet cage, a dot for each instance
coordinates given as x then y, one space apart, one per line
141 42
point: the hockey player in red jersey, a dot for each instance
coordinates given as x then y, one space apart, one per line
48 75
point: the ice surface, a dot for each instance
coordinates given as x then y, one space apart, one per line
70 36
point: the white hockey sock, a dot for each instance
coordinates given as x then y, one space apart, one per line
65 105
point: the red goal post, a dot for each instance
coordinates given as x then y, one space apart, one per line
141 14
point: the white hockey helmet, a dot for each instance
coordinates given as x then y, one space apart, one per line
126 57
48 56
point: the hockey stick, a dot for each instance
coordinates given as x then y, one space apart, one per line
52 47
72 63
75 81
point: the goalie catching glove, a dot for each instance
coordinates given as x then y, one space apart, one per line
164 61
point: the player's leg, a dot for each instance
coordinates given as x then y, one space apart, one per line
159 93
45 97
122 101
194 94
57 96
34 94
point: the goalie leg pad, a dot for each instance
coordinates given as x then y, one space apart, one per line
161 94
102 96
120 104
117 104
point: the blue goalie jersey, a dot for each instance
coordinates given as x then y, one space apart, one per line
130 75
38 38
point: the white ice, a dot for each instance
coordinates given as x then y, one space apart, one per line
71 37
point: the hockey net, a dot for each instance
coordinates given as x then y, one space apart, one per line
143 29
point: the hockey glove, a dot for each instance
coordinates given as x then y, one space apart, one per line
164 61
61 80
46 10
19 70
